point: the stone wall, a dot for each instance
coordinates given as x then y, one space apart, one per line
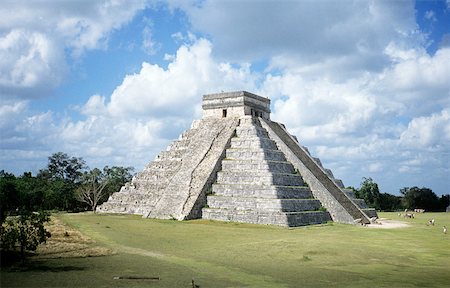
237 104
218 113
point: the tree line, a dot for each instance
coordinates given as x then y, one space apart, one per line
410 198
67 184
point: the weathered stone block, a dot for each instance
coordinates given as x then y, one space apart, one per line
256 154
292 219
263 178
255 165
263 204
262 191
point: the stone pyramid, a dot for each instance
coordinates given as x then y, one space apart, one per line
236 165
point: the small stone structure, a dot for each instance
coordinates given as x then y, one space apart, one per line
235 164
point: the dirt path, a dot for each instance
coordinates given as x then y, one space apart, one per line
388 224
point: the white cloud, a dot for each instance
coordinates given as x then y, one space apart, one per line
429 132
416 71
418 84
34 36
29 60
9 113
94 106
375 167
26 138
80 24
149 45
430 15
177 89
309 32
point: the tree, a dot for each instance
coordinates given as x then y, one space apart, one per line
63 173
117 177
444 202
389 202
62 166
423 198
370 193
9 195
92 189
33 192
25 230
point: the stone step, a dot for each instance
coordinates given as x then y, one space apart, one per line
124 208
317 160
339 183
264 178
293 219
256 154
253 142
163 164
329 173
178 145
133 197
349 193
188 134
248 121
361 203
262 191
130 201
171 154
256 165
144 185
250 131
370 212
265 204
154 176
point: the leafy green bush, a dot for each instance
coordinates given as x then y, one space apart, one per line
25 231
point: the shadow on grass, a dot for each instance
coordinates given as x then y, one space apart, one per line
12 262
43 267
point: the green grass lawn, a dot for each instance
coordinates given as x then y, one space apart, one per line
218 254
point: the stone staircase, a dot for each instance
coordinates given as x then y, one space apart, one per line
258 185
141 194
175 183
370 212
330 191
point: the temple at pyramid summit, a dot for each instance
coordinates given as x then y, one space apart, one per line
235 164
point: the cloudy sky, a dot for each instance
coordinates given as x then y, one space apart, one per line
365 85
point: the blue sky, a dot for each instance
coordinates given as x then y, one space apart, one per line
365 85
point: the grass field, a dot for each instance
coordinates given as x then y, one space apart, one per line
217 254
